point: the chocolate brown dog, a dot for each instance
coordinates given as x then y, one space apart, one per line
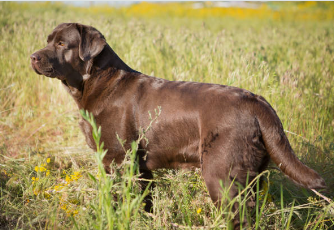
226 131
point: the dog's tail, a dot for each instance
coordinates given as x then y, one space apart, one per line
279 148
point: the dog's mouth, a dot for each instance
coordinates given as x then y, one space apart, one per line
46 71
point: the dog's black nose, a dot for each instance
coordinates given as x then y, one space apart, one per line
35 57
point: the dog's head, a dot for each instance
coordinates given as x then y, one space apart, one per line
70 51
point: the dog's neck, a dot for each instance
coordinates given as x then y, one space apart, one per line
106 61
75 89
109 59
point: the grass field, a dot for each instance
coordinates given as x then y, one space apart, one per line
49 179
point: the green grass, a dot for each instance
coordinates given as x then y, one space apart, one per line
288 62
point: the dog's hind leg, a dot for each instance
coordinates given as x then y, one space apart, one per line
224 179
146 177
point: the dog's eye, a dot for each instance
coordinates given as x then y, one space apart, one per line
61 43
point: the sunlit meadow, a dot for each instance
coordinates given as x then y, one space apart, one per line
50 179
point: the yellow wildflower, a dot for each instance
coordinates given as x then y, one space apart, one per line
75 212
58 187
47 173
76 176
42 168
71 212
48 160
199 211
68 179
36 192
34 179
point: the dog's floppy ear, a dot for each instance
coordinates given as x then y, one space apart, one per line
91 44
